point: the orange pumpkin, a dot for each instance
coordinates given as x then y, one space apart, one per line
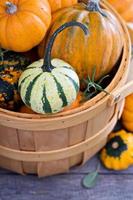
25 109
127 116
100 49
58 4
76 103
23 24
124 7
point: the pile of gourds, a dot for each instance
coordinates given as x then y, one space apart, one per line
65 41
68 39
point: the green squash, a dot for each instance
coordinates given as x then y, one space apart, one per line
48 86
11 66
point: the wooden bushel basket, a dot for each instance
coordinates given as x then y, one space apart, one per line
32 143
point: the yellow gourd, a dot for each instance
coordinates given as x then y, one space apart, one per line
118 152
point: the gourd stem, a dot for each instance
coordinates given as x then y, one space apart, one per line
93 6
115 145
47 65
11 8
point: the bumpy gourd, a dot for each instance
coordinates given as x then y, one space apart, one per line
100 49
58 4
125 8
11 66
23 24
127 116
48 86
118 152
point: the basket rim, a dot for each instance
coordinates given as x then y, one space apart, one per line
91 104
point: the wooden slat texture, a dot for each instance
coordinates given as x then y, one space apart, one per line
93 127
9 138
26 142
59 139
78 131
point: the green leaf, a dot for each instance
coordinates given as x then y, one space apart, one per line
89 181
93 74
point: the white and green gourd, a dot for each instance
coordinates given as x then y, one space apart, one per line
47 86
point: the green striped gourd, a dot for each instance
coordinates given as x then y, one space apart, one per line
47 86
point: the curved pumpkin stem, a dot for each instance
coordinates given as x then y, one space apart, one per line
47 66
93 6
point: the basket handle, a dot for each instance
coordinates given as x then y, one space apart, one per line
120 93
61 153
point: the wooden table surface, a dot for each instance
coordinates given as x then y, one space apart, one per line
110 185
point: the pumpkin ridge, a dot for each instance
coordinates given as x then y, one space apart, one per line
73 82
35 15
69 34
103 65
26 30
63 54
46 105
29 90
81 17
61 92
19 88
32 14
6 31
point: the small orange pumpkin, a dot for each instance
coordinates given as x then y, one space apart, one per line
127 116
25 109
125 8
76 103
23 24
86 52
58 4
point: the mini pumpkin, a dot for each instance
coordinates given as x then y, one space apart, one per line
85 53
76 103
127 116
58 4
48 86
25 109
23 24
118 152
125 8
11 66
